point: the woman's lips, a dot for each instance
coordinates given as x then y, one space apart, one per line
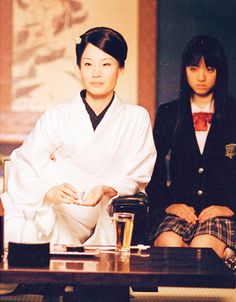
96 84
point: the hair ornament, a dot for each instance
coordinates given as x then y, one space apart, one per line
78 40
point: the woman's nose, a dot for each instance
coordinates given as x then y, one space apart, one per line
96 71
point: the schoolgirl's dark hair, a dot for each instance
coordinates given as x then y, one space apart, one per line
213 53
214 56
106 39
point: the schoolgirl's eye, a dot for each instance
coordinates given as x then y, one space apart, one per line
210 69
106 64
87 64
193 68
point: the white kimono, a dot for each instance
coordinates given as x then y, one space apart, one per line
120 153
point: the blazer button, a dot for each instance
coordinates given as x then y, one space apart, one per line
200 170
199 192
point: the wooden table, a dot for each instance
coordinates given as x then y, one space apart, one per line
108 277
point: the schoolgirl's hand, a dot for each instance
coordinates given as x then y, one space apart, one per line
97 194
183 211
65 193
214 211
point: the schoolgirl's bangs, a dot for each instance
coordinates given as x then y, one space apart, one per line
206 47
210 59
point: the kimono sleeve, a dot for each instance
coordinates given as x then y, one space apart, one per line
26 184
140 156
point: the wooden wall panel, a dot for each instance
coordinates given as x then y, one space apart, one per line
147 55
5 54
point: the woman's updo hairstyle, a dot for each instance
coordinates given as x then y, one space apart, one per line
106 39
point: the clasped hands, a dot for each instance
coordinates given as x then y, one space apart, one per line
66 193
188 213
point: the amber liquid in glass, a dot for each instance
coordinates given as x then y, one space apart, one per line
124 228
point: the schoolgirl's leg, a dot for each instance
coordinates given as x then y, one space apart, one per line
209 241
174 232
217 233
169 239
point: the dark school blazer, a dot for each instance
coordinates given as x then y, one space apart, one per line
196 179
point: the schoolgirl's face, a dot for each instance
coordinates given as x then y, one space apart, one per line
99 71
201 78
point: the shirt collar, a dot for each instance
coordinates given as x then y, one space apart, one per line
208 108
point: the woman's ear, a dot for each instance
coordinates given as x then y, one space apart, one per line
121 71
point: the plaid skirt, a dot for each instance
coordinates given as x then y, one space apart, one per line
220 227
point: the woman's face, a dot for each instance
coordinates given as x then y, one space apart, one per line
201 78
99 71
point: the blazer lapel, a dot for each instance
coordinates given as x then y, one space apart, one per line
215 137
189 133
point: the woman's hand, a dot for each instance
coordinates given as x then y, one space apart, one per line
214 211
65 193
97 194
183 211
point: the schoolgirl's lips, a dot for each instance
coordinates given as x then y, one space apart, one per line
201 86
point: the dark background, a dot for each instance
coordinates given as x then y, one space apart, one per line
179 21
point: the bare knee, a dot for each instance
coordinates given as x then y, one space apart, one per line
169 239
209 241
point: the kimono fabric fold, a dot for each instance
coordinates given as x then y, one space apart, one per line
120 153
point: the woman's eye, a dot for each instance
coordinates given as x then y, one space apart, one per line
106 64
87 64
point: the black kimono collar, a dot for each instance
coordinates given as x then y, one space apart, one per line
95 119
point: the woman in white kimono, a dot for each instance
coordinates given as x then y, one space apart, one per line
81 154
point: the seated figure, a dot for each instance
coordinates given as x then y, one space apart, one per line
193 186
81 154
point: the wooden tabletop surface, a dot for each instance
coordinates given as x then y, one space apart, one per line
156 267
